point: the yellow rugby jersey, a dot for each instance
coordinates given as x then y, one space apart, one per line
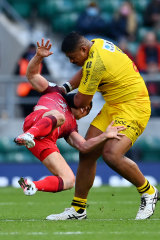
112 72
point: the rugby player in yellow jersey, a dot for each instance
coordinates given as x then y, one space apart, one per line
107 69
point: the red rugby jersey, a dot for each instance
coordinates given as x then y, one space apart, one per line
53 99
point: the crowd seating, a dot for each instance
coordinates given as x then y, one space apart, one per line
62 14
145 149
11 153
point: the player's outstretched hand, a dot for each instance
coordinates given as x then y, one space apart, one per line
43 49
113 131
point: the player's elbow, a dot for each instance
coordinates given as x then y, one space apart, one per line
29 75
83 149
30 78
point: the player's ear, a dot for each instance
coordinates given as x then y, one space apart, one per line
88 108
83 48
84 111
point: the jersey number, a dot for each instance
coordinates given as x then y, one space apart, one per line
89 64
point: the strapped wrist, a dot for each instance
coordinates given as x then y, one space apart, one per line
67 87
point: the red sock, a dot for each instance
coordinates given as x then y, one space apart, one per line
50 184
43 127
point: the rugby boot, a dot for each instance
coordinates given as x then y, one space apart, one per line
68 214
28 186
25 139
148 204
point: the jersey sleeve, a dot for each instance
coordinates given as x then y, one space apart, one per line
74 129
52 87
93 71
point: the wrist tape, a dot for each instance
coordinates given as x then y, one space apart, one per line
67 87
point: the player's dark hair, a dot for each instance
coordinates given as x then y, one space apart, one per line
71 42
70 100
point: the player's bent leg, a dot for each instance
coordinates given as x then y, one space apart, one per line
85 174
113 154
87 166
63 178
46 124
57 165
84 181
59 116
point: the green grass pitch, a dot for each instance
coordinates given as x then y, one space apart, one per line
111 213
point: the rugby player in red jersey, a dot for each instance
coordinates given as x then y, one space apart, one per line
51 119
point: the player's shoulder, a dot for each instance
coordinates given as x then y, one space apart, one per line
97 44
101 45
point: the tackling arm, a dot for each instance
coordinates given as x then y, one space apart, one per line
77 141
75 80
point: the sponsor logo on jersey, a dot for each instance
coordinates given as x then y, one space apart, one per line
91 55
87 76
120 122
109 46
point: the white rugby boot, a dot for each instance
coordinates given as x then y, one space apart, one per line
25 139
28 186
148 204
68 214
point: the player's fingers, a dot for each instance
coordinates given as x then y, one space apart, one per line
111 124
121 128
38 45
42 43
50 53
117 137
46 45
120 134
49 47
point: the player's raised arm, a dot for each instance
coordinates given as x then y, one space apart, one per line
77 141
38 82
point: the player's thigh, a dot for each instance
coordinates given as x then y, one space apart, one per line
57 165
92 132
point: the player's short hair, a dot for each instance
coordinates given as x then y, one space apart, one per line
71 42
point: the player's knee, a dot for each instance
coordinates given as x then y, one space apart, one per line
59 116
110 157
60 119
69 182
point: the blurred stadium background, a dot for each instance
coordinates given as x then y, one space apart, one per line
25 22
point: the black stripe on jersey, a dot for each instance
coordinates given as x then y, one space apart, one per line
101 84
